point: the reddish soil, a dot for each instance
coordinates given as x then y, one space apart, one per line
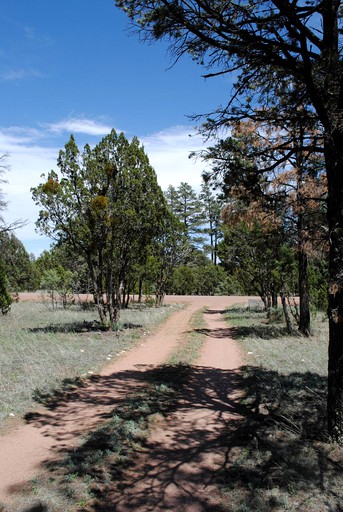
185 453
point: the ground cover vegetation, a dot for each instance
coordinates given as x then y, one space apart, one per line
279 456
285 61
85 475
44 350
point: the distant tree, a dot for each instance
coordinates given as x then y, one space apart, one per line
18 265
70 259
3 202
107 205
211 279
170 250
212 205
184 203
260 256
59 283
5 297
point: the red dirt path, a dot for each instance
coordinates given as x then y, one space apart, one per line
183 457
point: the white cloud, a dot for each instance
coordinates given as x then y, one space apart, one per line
80 125
169 151
29 157
21 74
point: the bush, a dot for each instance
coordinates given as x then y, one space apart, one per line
5 297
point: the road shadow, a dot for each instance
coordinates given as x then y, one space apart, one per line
274 438
80 327
268 430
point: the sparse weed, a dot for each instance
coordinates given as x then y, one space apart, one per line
279 457
188 351
43 352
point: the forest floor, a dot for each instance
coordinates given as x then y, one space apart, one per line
185 451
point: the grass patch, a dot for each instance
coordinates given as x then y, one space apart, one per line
279 457
188 350
44 350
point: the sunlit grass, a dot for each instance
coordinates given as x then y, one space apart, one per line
267 343
189 349
40 347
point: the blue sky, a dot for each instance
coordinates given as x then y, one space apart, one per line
74 67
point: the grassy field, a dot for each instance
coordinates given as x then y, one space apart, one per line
279 457
88 471
43 349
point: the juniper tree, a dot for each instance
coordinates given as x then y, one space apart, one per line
106 204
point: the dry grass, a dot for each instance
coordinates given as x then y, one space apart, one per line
280 457
188 350
42 350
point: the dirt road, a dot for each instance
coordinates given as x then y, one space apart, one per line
177 472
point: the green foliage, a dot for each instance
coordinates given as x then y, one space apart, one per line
19 266
184 203
184 280
58 282
212 205
108 208
5 297
70 259
202 279
318 283
262 261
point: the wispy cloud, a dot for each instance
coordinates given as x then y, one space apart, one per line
21 74
34 151
169 152
80 125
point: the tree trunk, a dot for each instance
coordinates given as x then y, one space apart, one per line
140 289
334 167
286 313
274 299
304 297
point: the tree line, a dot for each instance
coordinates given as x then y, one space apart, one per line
118 236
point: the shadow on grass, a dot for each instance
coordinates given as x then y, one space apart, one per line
274 440
80 327
266 332
52 398
37 508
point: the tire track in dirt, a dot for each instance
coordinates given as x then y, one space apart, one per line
47 435
186 455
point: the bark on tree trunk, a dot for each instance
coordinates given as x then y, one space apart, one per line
334 166
286 313
140 290
274 299
304 297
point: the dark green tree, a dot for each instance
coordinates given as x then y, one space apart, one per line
18 265
5 296
107 205
184 203
170 250
212 205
